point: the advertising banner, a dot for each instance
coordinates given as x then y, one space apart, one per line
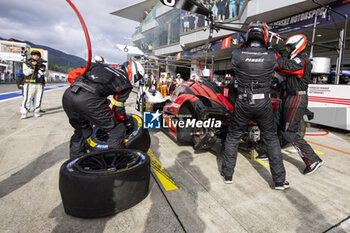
306 19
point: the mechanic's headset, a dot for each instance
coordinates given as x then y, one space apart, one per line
135 71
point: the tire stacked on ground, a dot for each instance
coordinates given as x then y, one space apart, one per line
138 138
104 182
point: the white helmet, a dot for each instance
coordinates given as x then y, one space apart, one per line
99 59
295 44
135 71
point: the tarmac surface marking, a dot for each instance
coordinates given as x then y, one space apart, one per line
161 173
328 147
18 94
249 156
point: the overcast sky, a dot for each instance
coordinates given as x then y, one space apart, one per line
53 23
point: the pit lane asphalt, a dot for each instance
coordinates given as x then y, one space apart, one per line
32 151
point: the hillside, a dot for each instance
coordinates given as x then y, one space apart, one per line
58 57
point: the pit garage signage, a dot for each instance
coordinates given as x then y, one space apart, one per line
306 19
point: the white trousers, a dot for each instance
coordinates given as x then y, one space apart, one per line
31 91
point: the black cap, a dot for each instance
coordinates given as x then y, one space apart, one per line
35 52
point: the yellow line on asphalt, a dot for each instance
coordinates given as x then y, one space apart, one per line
258 160
161 173
319 152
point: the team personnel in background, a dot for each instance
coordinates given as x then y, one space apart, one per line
232 86
253 66
194 78
162 84
99 60
85 103
34 82
298 71
178 79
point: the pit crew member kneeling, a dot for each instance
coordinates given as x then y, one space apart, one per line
85 103
253 66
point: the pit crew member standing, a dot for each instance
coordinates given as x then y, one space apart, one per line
162 84
253 66
85 103
178 79
194 78
294 105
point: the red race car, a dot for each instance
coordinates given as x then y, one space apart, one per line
199 113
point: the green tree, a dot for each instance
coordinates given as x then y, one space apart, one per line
59 68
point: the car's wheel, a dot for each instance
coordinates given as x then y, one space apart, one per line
184 135
103 183
203 138
137 138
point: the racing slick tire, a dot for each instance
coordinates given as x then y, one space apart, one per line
137 138
104 182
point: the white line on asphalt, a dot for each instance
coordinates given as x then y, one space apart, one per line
17 97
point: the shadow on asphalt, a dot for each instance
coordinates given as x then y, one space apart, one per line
263 172
308 212
156 220
296 162
181 215
194 223
67 223
32 170
54 110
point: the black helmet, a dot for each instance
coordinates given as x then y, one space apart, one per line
257 31
35 52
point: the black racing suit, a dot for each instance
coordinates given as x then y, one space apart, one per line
253 67
294 104
85 103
